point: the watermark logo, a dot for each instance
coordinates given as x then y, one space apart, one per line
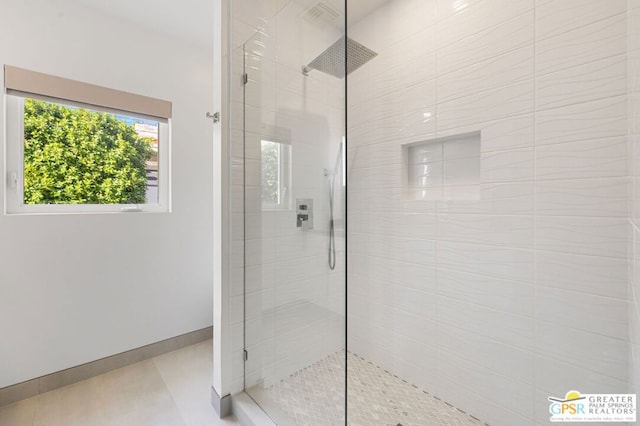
577 407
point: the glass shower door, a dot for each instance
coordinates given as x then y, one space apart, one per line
294 218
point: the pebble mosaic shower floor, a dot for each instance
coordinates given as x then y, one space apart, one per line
314 397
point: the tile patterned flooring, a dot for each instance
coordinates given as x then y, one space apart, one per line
169 390
173 390
313 397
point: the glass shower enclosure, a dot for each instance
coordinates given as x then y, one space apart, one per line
479 157
294 214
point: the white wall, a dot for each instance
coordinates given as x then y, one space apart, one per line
633 45
75 288
493 305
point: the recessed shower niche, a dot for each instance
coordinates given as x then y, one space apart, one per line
445 168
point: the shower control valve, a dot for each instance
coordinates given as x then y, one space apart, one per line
304 213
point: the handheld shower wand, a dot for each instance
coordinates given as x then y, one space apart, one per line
332 185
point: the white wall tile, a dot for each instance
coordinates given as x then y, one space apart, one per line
449 8
493 104
486 383
507 166
496 198
592 81
553 17
512 231
389 70
504 327
410 250
583 197
602 354
506 69
494 261
480 407
414 302
547 91
585 44
594 158
504 359
603 276
509 35
581 235
499 135
556 377
600 119
596 314
479 16
387 176
405 224
504 295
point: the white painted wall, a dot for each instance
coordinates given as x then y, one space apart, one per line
75 288
495 304
633 88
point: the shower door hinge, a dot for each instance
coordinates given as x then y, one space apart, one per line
246 355
245 78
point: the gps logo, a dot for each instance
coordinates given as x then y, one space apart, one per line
569 405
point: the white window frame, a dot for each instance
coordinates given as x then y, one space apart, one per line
14 163
284 176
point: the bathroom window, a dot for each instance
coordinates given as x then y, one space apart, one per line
276 175
79 148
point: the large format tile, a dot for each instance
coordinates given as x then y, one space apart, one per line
559 376
511 231
510 329
588 312
495 198
79 404
20 413
492 261
556 17
603 354
136 395
595 80
585 44
489 353
187 374
595 158
602 119
581 235
502 70
504 134
603 276
504 295
493 104
508 166
510 35
486 383
583 197
479 16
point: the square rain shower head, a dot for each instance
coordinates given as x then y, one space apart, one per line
331 61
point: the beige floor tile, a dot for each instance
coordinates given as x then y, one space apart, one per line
188 374
137 395
173 389
19 414
72 405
